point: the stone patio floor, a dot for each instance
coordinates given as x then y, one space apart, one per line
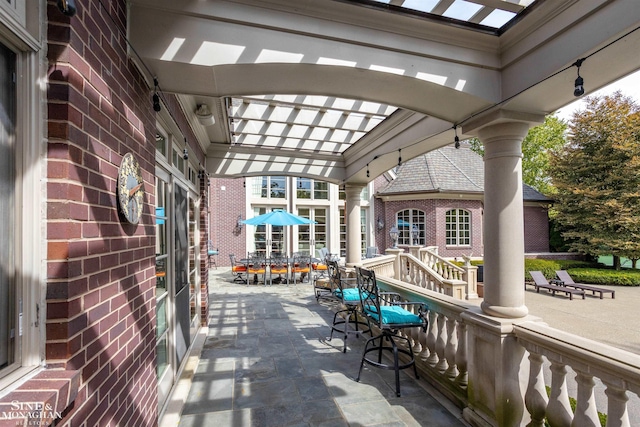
266 361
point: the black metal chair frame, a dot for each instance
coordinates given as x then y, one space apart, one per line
302 265
280 265
350 314
257 266
373 301
237 274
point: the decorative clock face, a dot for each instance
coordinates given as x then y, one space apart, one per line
130 189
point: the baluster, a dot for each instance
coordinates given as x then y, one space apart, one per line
432 335
422 337
440 344
451 348
535 399
617 414
559 409
586 414
461 355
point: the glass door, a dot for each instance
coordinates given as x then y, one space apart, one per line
312 237
268 239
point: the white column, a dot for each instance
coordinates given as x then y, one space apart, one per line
503 219
352 213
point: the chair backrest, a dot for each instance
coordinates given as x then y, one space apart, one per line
335 274
232 257
278 262
565 277
369 294
538 278
372 252
302 262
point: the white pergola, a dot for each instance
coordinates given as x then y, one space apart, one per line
333 89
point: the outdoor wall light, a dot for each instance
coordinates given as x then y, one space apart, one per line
380 223
156 97
239 223
456 139
579 83
185 154
393 233
414 234
67 7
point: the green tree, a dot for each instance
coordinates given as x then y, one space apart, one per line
536 147
597 178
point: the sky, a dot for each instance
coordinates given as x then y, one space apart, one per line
629 86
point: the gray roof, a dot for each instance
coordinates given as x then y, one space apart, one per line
447 170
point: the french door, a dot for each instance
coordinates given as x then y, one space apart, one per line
269 239
312 237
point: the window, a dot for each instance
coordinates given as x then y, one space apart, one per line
9 319
405 221
304 186
458 227
20 200
270 187
162 259
161 144
177 160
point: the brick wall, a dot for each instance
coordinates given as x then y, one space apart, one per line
100 270
536 229
227 201
435 210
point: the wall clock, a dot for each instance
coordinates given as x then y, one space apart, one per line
130 189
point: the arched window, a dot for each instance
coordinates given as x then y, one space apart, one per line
405 220
458 227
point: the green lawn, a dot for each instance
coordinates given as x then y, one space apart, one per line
608 260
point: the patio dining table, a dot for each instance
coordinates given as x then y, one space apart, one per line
289 261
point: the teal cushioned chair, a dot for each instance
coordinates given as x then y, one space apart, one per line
390 314
345 291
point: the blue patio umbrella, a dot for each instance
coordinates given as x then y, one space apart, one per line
278 217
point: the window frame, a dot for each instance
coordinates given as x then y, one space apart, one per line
29 241
456 240
416 217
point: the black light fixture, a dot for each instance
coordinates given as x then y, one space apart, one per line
185 153
67 7
579 83
399 157
156 97
367 170
456 139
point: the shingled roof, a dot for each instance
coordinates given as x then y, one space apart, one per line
447 170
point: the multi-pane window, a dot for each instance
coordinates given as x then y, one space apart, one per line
409 221
271 187
307 188
458 227
161 144
177 160
343 233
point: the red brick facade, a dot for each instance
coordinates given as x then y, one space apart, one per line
101 270
228 200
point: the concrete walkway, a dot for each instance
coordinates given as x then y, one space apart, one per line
266 361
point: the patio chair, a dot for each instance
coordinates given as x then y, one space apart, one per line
372 252
540 282
238 270
301 266
567 280
278 265
211 253
390 314
319 265
257 266
346 291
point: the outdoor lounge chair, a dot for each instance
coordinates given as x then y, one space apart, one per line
390 314
540 282
567 280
